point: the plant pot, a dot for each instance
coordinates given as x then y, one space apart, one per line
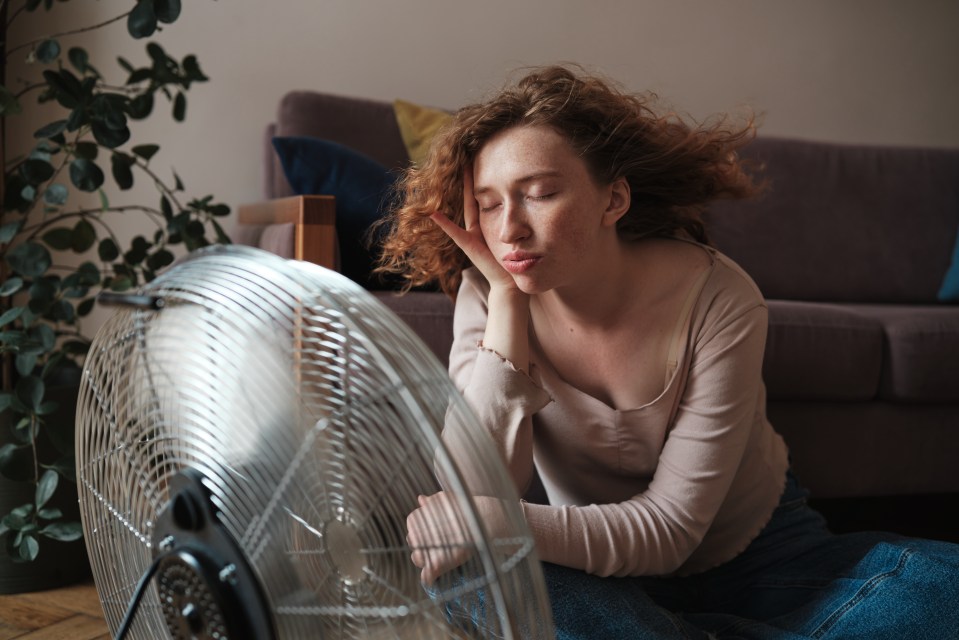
58 563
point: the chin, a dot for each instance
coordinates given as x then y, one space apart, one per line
529 286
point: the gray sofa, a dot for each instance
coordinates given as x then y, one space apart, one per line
849 245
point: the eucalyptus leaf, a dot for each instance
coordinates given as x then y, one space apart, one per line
10 315
104 201
85 307
141 106
11 286
36 171
29 548
56 194
65 87
121 164
167 10
166 208
44 335
142 21
59 238
192 69
29 259
62 310
46 487
146 151
49 513
14 521
9 231
26 362
84 236
179 107
108 250
48 51
30 391
160 259
63 531
51 130
86 175
88 150
89 274
110 137
9 105
79 59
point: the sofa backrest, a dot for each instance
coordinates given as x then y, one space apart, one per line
841 223
367 126
844 223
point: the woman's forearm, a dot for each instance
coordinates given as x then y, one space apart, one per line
507 326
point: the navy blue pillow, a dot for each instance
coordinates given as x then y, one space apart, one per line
361 185
949 291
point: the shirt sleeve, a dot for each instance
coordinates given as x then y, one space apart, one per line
653 533
503 397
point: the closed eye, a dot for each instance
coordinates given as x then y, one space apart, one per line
487 208
546 196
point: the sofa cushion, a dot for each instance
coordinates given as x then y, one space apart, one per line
362 188
844 223
821 351
429 314
418 126
920 351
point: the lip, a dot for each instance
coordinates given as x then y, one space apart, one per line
517 262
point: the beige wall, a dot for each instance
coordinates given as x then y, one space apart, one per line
874 71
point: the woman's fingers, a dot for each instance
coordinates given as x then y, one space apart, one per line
470 206
437 536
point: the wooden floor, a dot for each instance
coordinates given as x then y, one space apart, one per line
70 613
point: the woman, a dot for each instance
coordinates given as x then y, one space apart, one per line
615 355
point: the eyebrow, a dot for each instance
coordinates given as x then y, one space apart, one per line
525 179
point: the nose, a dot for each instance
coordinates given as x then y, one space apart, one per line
513 224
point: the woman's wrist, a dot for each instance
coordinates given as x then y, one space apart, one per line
507 325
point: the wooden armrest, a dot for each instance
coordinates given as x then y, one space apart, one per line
314 224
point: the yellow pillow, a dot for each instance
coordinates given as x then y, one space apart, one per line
418 125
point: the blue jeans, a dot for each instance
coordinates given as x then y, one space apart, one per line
796 580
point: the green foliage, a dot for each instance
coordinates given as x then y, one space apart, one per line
86 148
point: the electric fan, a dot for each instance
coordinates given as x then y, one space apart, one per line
252 434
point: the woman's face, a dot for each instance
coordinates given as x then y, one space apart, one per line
540 210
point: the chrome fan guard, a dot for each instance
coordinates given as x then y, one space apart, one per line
257 430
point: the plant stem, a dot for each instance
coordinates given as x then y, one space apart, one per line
68 33
82 213
14 16
29 89
33 445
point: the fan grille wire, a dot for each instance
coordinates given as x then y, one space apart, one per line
314 415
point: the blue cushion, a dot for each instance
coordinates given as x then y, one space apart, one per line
949 291
361 185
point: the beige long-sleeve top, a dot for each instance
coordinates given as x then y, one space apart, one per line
676 486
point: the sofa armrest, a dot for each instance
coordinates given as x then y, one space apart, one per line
313 219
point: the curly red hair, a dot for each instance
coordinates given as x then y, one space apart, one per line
673 169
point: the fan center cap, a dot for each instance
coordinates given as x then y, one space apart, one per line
346 550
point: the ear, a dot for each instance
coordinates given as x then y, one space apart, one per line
619 201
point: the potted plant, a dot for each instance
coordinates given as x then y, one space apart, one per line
57 251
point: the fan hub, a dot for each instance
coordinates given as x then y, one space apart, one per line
346 550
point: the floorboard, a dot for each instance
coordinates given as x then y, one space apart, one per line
69 613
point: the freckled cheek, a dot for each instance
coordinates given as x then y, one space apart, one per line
488 229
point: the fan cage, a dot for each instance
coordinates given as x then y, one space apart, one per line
314 416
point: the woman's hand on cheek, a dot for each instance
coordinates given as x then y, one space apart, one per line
470 239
